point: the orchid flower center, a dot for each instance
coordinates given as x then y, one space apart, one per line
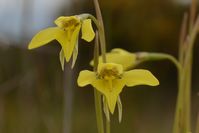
109 71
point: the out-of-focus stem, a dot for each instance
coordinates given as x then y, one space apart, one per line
97 95
102 43
192 13
188 74
98 109
68 99
145 56
179 111
101 30
108 127
182 37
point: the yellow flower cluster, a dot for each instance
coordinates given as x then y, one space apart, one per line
111 77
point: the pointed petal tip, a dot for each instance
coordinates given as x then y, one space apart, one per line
112 111
67 59
29 47
72 66
156 82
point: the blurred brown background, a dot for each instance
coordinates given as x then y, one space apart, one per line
35 93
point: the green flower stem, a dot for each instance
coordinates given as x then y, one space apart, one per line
101 35
100 26
108 126
182 122
98 109
97 95
101 30
187 74
182 115
102 44
98 98
145 56
178 120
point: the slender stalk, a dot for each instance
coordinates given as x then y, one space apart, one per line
188 74
182 37
102 43
144 56
68 100
192 13
98 110
178 124
97 95
101 32
108 126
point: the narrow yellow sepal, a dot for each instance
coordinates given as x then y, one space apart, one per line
61 59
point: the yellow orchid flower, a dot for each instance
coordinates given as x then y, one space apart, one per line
66 33
119 56
110 80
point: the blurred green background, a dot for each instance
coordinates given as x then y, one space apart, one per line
37 97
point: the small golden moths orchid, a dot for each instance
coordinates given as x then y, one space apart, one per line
66 33
119 56
110 79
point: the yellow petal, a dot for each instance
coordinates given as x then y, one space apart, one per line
85 77
119 56
111 94
45 36
75 54
106 108
68 49
139 77
87 30
119 105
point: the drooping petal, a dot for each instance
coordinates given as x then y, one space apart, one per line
61 58
85 77
119 56
68 49
88 33
111 92
119 105
45 36
106 108
139 77
75 54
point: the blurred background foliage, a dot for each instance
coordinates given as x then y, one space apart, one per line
33 88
